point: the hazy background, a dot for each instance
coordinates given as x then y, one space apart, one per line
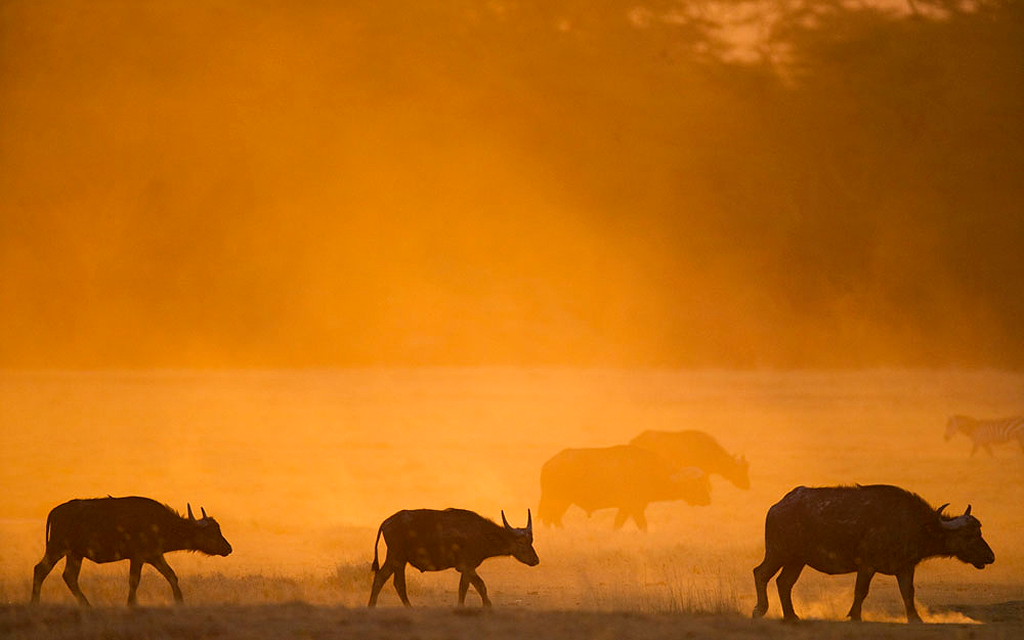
308 263
383 182
301 467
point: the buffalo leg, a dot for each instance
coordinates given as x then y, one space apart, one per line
860 591
481 588
620 518
167 572
905 579
72 567
400 585
785 582
134 577
763 573
639 518
42 570
463 587
379 579
551 510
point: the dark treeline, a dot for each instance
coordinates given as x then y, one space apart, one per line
688 184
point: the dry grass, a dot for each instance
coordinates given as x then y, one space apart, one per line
304 620
300 468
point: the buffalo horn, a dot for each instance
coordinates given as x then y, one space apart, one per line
504 520
204 512
529 520
941 509
191 516
958 522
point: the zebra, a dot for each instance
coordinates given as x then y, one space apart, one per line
985 433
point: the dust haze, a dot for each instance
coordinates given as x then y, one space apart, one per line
301 467
306 264
750 184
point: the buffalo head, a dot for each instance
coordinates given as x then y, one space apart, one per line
522 540
964 541
207 537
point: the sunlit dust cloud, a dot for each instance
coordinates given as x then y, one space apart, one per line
301 467
270 185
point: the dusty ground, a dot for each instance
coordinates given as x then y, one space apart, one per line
303 620
300 468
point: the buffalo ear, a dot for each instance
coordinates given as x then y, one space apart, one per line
504 520
191 516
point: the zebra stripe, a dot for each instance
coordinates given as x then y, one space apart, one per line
985 433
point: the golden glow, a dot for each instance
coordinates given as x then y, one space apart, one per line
309 263
300 468
239 185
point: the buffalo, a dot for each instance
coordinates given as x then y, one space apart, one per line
136 529
433 540
623 477
863 529
692 448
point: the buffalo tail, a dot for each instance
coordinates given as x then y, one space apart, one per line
376 562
